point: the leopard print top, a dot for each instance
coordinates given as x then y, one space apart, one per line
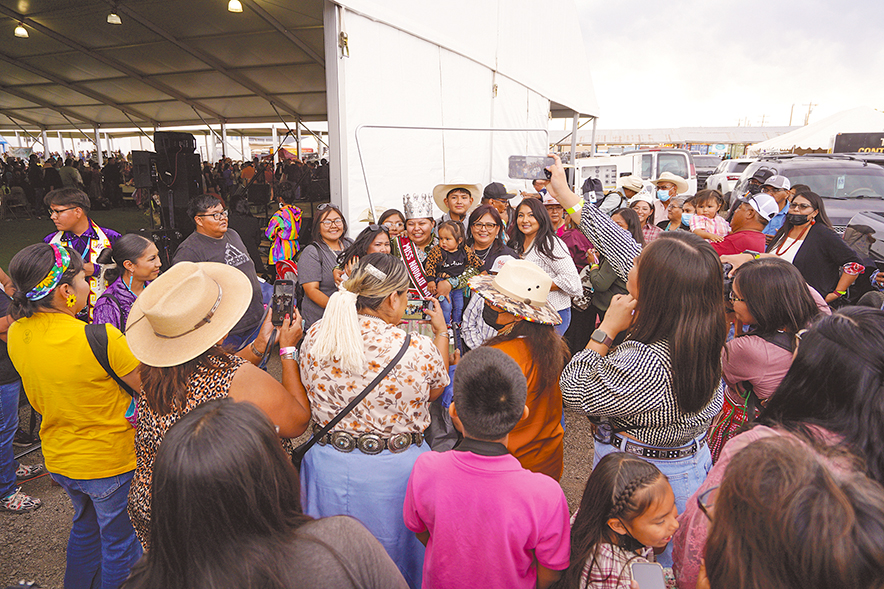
205 384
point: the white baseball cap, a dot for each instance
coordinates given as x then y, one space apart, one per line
764 205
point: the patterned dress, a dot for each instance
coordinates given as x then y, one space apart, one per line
205 384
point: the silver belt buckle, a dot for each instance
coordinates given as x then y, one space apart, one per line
343 441
399 443
370 444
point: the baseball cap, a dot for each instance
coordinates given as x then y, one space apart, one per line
761 176
764 205
497 191
780 182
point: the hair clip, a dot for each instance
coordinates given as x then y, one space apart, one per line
375 272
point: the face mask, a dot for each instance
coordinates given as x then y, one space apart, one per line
686 218
489 316
796 219
663 195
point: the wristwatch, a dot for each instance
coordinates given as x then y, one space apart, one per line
601 337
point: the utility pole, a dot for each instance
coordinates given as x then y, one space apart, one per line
791 112
762 119
810 106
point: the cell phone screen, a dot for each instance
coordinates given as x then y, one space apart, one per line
283 301
529 167
648 575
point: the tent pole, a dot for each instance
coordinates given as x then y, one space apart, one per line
242 147
592 147
574 126
275 146
298 138
223 139
98 146
45 144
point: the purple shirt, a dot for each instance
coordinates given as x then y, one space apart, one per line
114 304
80 243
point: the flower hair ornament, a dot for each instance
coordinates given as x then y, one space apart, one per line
48 284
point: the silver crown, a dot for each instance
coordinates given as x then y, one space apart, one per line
418 206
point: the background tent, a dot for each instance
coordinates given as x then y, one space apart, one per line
820 136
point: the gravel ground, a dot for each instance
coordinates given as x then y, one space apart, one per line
33 545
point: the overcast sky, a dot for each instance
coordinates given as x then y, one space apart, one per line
678 63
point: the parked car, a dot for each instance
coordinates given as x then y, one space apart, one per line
873 157
727 174
706 165
646 163
846 184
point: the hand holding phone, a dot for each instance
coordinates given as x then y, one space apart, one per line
283 301
648 575
530 167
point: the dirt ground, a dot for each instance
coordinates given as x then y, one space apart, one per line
33 545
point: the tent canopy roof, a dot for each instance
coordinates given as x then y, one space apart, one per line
821 134
187 63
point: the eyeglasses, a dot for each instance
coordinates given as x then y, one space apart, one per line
734 298
60 211
330 222
485 226
800 207
706 501
217 215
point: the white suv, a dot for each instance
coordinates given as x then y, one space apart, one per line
727 174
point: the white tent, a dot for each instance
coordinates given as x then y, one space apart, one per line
821 135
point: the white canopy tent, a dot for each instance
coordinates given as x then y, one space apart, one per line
820 136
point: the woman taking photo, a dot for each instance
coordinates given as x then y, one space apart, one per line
516 304
184 367
535 240
228 514
806 240
138 262
771 296
830 398
361 467
656 393
87 442
317 262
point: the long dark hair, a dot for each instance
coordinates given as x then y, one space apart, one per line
360 245
681 300
28 268
544 240
776 295
165 389
389 213
477 214
128 248
785 518
818 205
619 486
632 221
225 503
320 215
836 383
549 352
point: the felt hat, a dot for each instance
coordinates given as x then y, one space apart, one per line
521 288
186 311
441 191
681 185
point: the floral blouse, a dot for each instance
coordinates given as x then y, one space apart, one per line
398 404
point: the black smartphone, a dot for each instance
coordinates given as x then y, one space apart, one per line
530 167
648 575
283 302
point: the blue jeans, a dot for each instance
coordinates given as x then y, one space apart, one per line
685 477
452 311
562 327
102 547
8 425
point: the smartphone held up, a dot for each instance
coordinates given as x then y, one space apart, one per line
530 167
283 301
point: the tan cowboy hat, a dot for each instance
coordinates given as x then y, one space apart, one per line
442 190
187 310
366 215
632 182
521 288
681 185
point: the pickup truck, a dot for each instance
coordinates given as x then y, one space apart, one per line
646 163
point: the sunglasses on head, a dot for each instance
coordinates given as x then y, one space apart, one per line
375 227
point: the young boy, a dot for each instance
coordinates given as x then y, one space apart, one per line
485 520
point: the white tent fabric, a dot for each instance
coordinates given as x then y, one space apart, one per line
821 135
469 65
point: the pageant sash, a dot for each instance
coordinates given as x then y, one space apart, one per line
414 267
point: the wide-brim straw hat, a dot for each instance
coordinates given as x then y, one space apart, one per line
442 190
186 311
366 215
680 183
632 182
521 288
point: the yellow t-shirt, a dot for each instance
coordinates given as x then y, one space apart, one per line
84 431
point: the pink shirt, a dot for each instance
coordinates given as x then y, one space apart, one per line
488 519
717 226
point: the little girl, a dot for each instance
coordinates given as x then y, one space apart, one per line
705 222
626 513
449 265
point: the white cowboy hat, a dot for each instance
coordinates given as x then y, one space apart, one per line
521 288
681 185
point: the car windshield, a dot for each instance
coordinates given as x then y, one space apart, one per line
739 166
841 182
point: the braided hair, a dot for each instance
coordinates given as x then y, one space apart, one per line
621 486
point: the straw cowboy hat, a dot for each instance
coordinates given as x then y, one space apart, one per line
680 183
442 190
186 311
632 182
369 215
521 288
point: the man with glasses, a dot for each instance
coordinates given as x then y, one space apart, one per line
779 188
69 208
214 242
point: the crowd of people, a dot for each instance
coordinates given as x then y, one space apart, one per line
735 392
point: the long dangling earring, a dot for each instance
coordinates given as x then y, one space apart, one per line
131 276
71 300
